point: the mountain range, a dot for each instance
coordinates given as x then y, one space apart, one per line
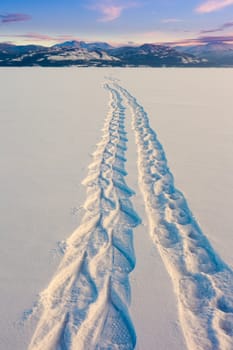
80 53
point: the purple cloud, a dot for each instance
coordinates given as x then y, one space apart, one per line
202 40
216 39
218 29
14 17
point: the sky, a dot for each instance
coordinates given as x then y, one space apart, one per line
173 22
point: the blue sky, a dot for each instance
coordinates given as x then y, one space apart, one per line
117 21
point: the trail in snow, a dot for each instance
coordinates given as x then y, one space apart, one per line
202 282
85 306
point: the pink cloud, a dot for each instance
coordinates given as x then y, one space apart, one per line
110 13
111 10
171 20
35 36
213 5
41 37
14 17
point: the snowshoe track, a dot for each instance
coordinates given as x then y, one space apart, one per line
85 306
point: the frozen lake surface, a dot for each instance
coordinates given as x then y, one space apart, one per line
52 120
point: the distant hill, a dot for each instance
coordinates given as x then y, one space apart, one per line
217 53
83 45
80 53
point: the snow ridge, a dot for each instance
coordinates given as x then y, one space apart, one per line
203 283
85 306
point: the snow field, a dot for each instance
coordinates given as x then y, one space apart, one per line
190 111
202 281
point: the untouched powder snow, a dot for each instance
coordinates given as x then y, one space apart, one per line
45 148
105 294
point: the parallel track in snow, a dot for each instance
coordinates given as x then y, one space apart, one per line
85 306
203 283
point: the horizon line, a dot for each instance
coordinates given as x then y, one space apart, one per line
186 42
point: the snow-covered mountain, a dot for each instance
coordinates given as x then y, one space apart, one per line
154 55
81 53
74 44
64 54
216 53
